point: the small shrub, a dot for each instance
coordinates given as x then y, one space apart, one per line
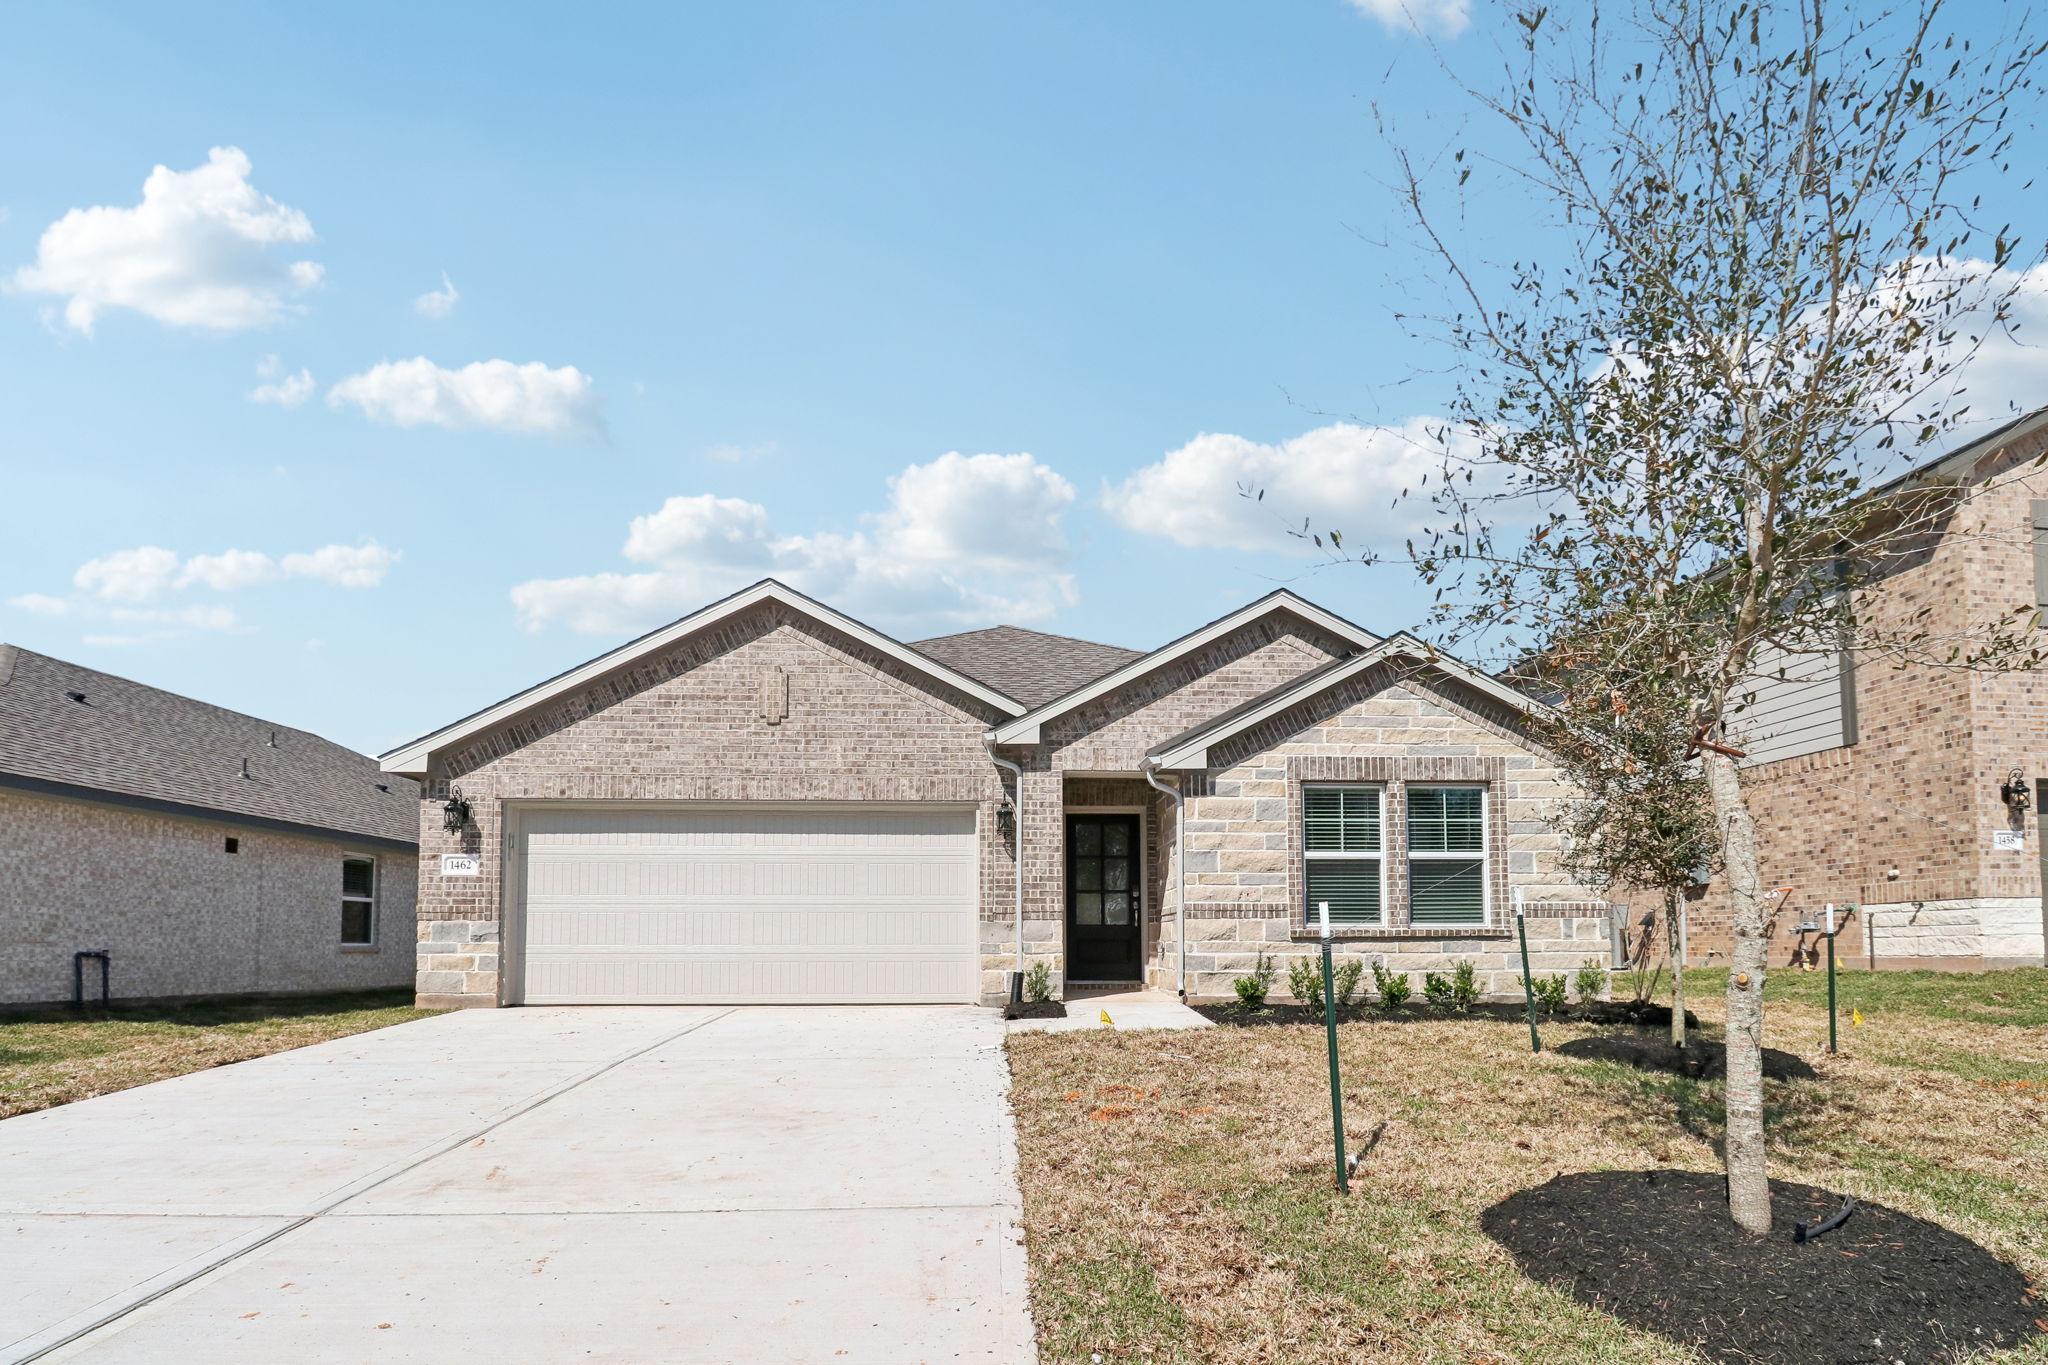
1038 983
1394 987
1550 993
1305 981
1589 983
1254 986
1464 987
1437 990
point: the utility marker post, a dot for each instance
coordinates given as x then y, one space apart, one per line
1330 1030
1528 985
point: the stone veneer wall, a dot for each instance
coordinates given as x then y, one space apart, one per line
1389 726
180 914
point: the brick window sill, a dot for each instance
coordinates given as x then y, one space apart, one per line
359 947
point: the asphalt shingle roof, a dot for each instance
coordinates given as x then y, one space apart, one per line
1029 665
139 741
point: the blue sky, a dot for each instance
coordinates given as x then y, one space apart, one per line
952 313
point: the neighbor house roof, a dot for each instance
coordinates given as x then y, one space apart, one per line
1025 729
67 730
412 757
1190 748
1029 665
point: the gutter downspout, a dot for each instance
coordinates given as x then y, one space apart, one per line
1150 772
988 742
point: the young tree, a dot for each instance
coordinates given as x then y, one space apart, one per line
1641 817
1662 465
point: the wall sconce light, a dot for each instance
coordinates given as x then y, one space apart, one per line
455 813
1006 818
2014 791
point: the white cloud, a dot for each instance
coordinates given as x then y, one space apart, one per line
494 395
40 603
229 570
129 575
206 617
437 303
1343 477
285 390
965 541
194 253
345 566
1447 18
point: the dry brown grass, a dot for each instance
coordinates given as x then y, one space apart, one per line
1179 1202
51 1057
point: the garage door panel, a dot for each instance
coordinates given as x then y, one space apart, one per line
750 904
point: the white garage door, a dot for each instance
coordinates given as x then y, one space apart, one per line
750 905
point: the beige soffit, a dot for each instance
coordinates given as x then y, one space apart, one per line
411 759
1025 729
1191 748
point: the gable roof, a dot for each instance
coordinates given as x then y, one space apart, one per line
1030 665
1026 728
139 746
1190 748
412 757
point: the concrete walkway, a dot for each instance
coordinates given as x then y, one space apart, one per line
535 1185
1127 1009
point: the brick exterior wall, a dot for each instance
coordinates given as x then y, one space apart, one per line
687 725
1901 821
180 914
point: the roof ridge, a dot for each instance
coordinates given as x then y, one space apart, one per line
1005 625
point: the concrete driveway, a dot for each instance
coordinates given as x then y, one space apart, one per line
535 1185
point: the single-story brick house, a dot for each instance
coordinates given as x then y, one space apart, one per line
768 801
204 851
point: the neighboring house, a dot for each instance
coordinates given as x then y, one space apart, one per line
768 801
206 852
1916 792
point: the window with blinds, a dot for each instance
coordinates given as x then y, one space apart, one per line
1341 848
1447 855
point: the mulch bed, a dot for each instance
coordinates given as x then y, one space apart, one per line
1035 1009
1700 1061
1658 1250
1498 1011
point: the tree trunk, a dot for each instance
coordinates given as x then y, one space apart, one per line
1749 1187
1676 951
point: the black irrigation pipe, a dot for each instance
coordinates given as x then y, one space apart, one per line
1806 1232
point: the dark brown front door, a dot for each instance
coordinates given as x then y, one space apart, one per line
1104 926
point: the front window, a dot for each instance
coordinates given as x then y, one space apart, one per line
358 902
1341 846
1447 855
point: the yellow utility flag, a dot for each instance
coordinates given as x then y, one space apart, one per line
1855 1015
1107 1022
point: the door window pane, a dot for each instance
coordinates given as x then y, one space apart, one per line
1087 907
1087 837
1116 908
1116 874
1087 874
1116 839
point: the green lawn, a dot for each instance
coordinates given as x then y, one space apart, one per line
1178 1203
57 1055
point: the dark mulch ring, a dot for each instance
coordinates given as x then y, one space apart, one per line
1700 1061
1657 1250
1035 1009
1598 1012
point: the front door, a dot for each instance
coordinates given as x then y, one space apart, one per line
1104 927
